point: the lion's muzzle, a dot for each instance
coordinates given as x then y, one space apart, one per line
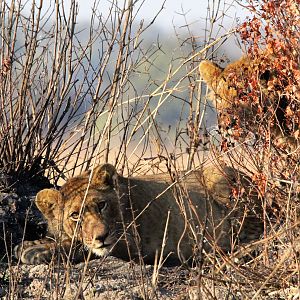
96 235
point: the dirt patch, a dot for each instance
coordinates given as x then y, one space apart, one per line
110 278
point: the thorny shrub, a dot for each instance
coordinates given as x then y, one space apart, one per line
266 110
261 134
277 30
273 86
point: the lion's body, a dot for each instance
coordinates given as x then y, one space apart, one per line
146 208
198 208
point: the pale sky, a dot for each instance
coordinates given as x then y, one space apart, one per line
172 13
175 14
195 10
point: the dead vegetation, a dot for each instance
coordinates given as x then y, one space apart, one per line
69 100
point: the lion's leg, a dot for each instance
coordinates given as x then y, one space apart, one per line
46 250
35 252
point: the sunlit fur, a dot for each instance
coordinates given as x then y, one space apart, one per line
97 205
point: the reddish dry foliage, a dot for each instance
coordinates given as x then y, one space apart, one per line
275 27
267 101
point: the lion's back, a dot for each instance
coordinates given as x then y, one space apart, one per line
176 211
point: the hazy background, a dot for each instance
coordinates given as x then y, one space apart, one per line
180 29
174 15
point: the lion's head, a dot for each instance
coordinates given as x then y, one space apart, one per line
87 207
250 96
232 85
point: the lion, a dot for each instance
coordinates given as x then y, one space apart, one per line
247 94
103 213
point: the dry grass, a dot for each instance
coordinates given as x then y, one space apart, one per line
69 101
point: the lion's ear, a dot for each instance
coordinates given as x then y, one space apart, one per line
104 175
47 201
210 72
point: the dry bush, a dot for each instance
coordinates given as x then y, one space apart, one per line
70 102
260 135
265 112
61 86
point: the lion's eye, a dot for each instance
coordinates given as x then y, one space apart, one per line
74 216
102 205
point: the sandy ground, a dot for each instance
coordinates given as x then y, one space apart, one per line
108 279
115 279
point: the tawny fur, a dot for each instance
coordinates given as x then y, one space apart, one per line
127 217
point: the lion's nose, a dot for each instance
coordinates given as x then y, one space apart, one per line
101 237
